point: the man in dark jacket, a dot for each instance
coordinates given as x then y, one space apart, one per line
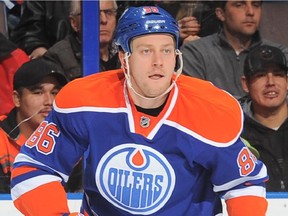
266 123
67 52
41 25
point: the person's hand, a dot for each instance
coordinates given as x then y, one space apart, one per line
190 38
189 28
38 52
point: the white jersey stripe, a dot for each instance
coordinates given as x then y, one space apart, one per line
248 191
231 184
32 183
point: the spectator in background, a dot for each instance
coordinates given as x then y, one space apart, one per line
12 13
11 58
185 13
67 52
266 111
36 83
196 19
108 21
42 24
219 57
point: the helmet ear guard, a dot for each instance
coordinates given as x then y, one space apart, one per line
137 21
179 63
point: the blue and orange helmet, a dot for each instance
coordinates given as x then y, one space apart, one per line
137 21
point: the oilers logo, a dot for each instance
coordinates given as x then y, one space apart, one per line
135 178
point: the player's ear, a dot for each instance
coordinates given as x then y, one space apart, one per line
121 56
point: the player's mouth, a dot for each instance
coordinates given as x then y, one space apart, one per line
156 76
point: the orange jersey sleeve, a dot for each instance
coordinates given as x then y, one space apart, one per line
51 201
247 206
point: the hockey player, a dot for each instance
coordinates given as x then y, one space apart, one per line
154 142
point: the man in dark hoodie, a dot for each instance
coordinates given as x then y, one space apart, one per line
265 108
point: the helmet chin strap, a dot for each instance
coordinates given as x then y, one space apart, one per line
128 77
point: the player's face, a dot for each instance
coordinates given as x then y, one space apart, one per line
107 21
241 17
268 89
37 98
152 63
